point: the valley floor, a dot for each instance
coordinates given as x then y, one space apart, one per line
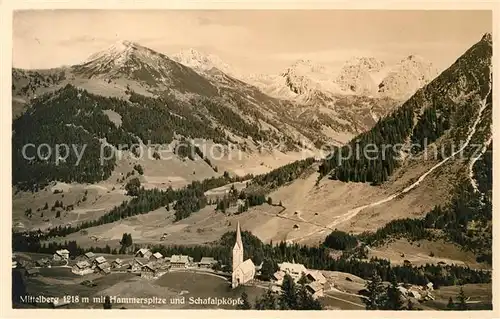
177 287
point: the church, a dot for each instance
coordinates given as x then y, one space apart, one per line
243 271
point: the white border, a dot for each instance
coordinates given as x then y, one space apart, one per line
7 8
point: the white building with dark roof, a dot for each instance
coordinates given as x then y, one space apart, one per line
294 270
117 263
149 271
89 256
82 268
62 254
156 257
104 268
99 260
315 289
316 276
143 253
137 263
207 262
180 261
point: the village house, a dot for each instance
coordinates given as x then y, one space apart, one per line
415 294
82 268
89 256
62 254
278 277
103 268
316 276
148 271
315 289
117 263
156 257
294 270
32 272
429 286
207 262
137 263
44 262
403 291
98 260
23 263
143 253
180 261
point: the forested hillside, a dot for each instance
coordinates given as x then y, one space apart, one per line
75 117
466 220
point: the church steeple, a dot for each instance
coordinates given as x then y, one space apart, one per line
238 248
238 243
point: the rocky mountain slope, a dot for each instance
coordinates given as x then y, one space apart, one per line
130 94
127 67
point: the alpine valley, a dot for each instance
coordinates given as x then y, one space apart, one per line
219 148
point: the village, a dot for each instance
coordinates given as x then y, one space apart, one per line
149 265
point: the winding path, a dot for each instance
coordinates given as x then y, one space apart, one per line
353 212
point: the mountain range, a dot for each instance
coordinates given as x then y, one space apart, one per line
306 102
404 195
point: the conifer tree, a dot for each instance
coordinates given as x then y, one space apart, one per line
305 301
245 305
393 301
288 296
451 304
376 293
107 303
462 300
267 301
268 268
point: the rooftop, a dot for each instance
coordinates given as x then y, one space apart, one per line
292 267
82 264
315 286
207 260
181 259
158 255
104 265
247 266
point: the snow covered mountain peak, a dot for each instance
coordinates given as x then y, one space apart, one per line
306 66
366 63
359 75
130 60
410 74
304 77
117 52
201 61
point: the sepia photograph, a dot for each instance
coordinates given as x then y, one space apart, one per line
252 159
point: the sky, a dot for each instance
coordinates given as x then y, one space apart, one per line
250 41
